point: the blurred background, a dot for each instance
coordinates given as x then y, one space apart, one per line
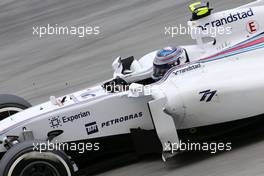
35 68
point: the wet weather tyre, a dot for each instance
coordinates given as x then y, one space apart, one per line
11 104
25 159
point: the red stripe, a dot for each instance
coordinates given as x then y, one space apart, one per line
255 42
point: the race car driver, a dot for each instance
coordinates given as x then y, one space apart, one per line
167 58
162 60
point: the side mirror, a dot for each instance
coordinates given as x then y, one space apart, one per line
123 66
117 67
117 63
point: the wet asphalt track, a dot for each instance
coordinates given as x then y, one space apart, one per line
36 68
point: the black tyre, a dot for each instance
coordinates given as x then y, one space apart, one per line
25 159
11 104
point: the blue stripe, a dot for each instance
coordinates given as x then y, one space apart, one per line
250 48
249 40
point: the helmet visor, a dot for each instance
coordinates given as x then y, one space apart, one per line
160 70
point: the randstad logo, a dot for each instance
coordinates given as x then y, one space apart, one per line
229 19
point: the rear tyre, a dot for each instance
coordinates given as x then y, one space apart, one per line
24 160
11 104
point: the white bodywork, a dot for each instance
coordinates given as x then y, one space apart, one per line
223 82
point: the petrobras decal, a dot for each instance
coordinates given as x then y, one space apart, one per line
122 119
232 17
91 128
187 69
58 121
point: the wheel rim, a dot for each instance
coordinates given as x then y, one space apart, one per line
8 111
39 168
32 158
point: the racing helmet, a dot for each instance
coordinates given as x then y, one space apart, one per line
199 10
167 58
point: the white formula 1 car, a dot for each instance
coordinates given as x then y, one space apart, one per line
222 83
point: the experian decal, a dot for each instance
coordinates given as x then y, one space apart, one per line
58 121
